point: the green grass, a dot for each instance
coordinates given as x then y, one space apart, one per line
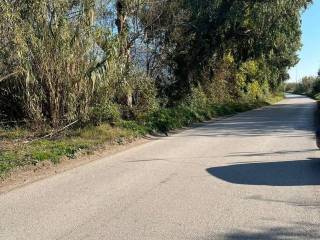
16 151
183 115
13 133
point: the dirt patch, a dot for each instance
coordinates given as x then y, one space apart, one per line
29 174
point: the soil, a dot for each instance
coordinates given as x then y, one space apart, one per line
29 174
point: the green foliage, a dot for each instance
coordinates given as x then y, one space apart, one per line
138 65
49 57
62 61
15 153
13 133
317 96
308 86
134 126
106 112
197 108
261 37
316 86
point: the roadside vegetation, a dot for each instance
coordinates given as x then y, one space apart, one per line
309 86
21 146
76 74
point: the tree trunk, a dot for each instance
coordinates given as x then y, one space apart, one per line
121 23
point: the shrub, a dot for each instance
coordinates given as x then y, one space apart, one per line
107 112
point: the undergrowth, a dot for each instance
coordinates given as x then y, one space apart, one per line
18 146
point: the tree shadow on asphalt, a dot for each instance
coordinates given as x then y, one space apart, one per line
254 154
299 230
300 203
278 119
287 173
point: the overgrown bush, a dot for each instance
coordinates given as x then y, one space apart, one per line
49 56
105 112
197 107
106 61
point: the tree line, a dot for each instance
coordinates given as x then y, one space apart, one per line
309 85
98 61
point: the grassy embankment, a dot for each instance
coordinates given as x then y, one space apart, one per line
20 147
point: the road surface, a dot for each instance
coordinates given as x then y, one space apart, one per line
255 175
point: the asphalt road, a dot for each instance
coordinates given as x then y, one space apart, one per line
252 176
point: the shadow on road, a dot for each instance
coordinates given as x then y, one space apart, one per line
288 173
272 120
254 154
296 231
303 203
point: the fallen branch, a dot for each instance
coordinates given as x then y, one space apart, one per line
53 132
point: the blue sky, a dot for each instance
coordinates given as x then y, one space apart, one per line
310 52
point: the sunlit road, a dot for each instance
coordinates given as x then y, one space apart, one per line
252 176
